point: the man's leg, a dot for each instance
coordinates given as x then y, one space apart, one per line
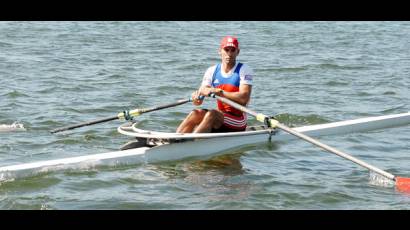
213 119
191 121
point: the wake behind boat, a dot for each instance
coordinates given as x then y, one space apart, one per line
153 146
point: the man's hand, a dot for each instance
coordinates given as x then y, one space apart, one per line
206 91
218 92
195 98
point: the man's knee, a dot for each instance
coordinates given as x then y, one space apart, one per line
197 113
213 115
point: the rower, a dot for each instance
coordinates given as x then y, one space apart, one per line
229 79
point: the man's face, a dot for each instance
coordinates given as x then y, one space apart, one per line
229 54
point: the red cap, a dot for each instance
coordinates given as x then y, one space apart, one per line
229 41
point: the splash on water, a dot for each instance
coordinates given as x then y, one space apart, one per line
13 127
379 180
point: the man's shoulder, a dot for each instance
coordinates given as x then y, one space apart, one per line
246 74
246 68
209 72
211 68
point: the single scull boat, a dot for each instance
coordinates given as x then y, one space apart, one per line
153 147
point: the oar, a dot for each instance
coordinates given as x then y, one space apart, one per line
127 115
402 183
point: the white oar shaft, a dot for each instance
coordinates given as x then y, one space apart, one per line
337 152
261 117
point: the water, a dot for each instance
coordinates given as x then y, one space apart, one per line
54 74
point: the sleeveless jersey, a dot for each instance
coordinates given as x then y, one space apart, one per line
228 84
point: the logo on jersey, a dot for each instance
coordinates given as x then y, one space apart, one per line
216 81
248 77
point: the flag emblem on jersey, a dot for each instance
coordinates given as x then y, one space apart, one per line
248 77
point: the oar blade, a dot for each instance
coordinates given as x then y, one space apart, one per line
403 184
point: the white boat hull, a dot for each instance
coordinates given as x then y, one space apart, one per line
198 148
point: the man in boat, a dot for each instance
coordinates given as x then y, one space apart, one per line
230 79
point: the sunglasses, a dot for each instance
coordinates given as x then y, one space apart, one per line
232 49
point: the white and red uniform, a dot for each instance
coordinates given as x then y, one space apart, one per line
234 120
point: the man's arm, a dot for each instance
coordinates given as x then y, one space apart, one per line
242 96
